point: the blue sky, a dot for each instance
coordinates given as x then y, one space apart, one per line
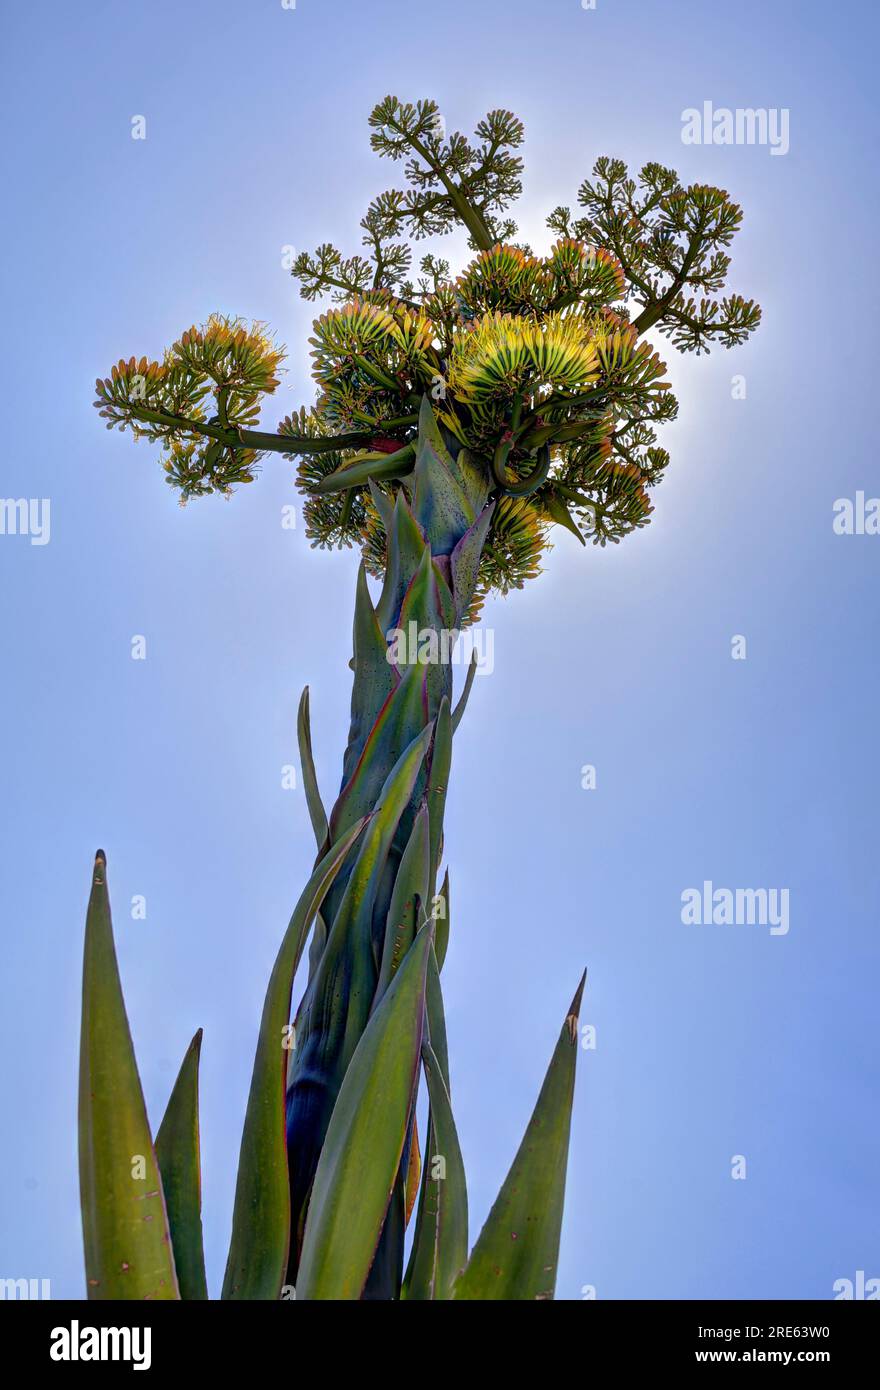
712 1041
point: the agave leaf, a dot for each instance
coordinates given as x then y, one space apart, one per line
384 504
441 1237
400 719
436 1018
336 1006
177 1150
474 475
409 895
371 465
406 543
338 1001
404 915
317 813
427 614
374 676
428 601
465 561
560 513
316 947
422 1269
441 505
413 1172
441 940
386 1271
127 1243
431 437
438 782
261 1215
361 1155
516 1254
460 708
469 471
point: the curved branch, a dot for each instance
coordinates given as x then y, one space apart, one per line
523 486
234 438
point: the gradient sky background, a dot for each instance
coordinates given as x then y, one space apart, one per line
712 1041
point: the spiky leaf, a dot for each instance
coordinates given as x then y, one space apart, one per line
125 1226
177 1150
261 1216
516 1254
317 814
408 900
365 1140
440 1243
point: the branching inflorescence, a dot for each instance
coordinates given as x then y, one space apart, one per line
535 364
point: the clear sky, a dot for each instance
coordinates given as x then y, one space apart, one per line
712 1041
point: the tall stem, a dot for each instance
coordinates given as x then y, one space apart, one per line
435 533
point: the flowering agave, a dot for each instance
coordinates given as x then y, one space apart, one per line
456 421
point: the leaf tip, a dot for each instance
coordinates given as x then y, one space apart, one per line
575 1009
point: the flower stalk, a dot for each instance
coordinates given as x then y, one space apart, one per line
456 421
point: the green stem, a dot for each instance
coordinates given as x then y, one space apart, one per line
524 486
376 373
252 439
466 211
655 311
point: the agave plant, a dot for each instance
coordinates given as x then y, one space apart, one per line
456 422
